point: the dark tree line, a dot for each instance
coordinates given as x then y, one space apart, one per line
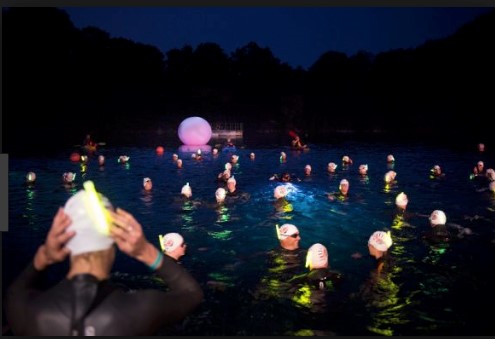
60 82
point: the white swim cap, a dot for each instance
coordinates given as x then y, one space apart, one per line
390 158
232 179
390 176
380 240
345 158
145 180
286 230
171 241
186 190
220 194
307 167
69 177
363 167
280 192
490 174
343 182
31 177
317 257
401 199
437 217
332 165
90 221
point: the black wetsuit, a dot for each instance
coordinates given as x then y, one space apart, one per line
110 310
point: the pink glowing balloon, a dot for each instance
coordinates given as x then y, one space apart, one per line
194 131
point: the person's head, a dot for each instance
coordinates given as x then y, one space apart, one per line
390 158
317 257
307 170
225 175
91 244
283 156
30 177
228 166
490 174
220 194
175 157
231 184
147 184
68 177
198 152
101 160
285 177
251 156
234 158
186 191
346 159
390 177
363 169
179 163
214 151
173 245
344 186
436 170
401 200
481 147
437 217
289 237
332 167
123 159
480 165
378 243
280 192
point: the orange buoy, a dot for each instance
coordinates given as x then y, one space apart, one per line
76 157
160 150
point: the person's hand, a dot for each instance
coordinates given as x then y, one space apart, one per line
128 234
129 237
54 250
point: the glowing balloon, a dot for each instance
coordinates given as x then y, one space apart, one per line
194 131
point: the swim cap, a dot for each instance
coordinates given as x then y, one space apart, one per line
252 155
363 167
171 241
345 158
235 157
343 182
490 173
214 151
390 176
124 158
437 217
280 192
286 230
380 240
90 221
145 180
186 190
31 177
220 194
317 257
228 166
390 158
307 167
401 199
332 165
69 177
480 163
232 179
175 156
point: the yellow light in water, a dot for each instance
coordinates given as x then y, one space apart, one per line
98 213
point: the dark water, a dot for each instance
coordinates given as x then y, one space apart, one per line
442 290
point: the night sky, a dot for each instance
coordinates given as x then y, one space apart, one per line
297 36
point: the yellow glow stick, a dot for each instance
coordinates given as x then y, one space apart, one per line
278 231
160 239
99 213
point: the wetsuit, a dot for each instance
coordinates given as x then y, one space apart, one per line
105 309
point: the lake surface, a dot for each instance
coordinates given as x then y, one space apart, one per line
431 290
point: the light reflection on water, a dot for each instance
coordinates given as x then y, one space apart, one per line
422 294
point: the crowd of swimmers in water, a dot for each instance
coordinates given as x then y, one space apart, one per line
289 255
